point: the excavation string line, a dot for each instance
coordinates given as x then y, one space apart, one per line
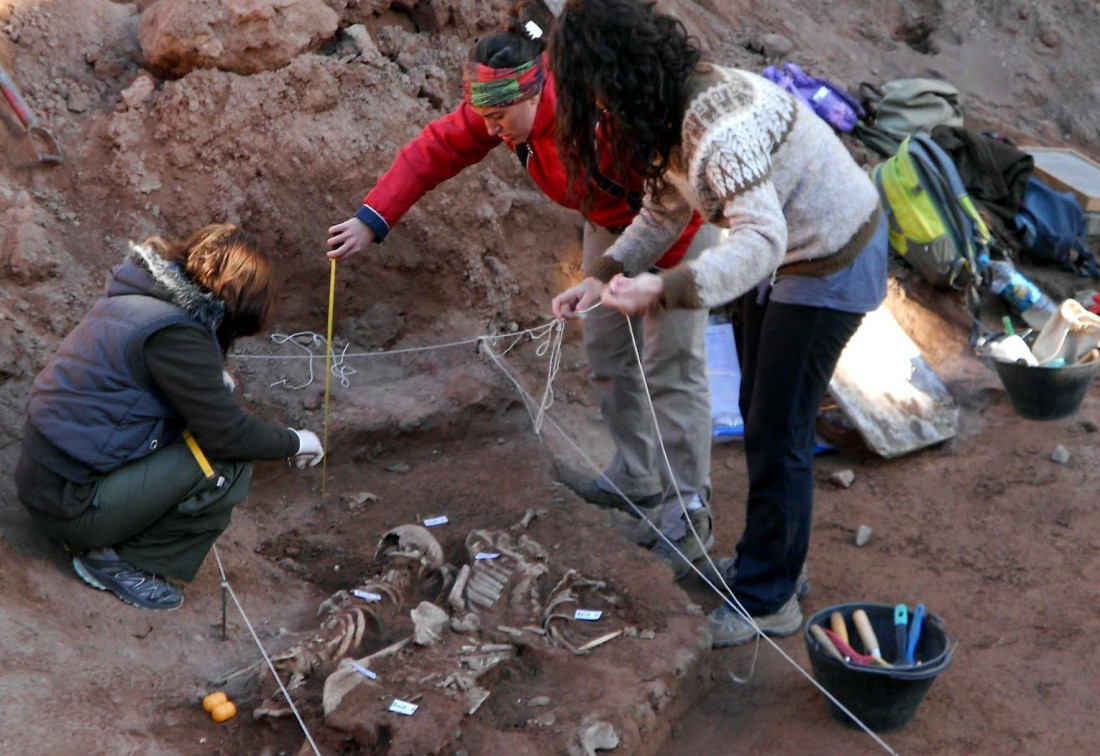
549 336
725 593
735 603
286 694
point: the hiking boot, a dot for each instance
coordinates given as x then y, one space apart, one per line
690 547
590 491
134 586
725 566
729 628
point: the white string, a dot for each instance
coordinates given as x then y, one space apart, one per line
263 651
527 398
551 335
551 345
315 339
687 517
343 371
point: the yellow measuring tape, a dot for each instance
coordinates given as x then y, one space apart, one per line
196 452
328 373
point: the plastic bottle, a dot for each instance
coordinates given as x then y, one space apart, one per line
724 370
1026 298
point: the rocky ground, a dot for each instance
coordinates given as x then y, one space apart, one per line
278 116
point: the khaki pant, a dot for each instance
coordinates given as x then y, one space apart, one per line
673 353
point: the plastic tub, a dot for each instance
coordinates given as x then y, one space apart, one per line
1046 393
884 699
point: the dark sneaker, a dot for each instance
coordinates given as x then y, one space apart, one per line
590 491
729 628
725 566
136 587
691 548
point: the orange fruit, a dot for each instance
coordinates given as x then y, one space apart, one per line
224 711
213 700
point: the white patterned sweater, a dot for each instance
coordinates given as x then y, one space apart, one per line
757 161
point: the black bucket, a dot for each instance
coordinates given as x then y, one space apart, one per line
1042 393
884 699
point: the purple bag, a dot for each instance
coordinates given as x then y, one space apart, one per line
830 101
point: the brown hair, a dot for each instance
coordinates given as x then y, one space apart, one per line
229 263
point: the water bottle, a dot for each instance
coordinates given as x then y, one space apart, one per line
725 378
1026 298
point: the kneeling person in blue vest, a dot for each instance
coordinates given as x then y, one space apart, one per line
135 451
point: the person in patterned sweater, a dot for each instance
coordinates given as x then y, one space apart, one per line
805 248
510 98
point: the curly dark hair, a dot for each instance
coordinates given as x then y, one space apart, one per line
634 62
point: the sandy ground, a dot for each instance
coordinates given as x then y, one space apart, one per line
985 529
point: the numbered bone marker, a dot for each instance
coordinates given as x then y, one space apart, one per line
403 707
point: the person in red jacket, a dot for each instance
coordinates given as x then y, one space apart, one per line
510 99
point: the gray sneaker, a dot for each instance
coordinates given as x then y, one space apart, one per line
591 491
729 628
691 547
725 566
132 585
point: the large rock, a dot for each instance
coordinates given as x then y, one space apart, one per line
27 253
243 36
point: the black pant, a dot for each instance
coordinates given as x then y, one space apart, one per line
790 352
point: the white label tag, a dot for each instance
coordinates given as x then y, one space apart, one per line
364 671
403 707
435 521
366 596
487 555
588 615
821 93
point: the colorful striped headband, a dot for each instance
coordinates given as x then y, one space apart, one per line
488 87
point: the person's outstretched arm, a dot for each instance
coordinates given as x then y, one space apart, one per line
443 149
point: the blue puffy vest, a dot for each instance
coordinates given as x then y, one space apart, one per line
94 401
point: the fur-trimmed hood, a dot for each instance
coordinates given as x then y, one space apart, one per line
145 272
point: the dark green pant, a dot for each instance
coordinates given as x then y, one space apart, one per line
160 513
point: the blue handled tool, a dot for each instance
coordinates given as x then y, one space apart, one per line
914 634
901 632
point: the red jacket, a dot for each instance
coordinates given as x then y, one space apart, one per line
460 139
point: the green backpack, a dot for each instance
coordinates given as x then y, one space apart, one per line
903 107
934 225
909 106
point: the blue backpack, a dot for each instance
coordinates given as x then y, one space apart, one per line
1052 229
830 101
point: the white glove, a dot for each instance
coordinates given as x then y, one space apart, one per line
227 379
309 449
